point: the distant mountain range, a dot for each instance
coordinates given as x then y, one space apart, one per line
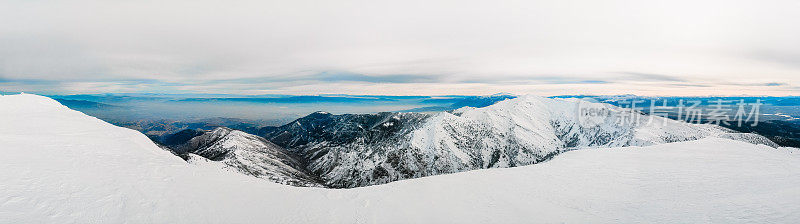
85 104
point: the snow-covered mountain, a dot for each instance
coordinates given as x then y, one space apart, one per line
61 166
360 150
250 155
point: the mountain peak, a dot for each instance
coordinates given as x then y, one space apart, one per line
503 94
318 115
249 154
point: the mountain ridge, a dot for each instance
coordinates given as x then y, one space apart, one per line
248 154
354 150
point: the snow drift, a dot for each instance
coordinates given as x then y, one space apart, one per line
61 166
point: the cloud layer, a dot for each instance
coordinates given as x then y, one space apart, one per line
401 47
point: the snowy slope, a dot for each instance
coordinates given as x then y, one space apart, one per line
60 166
250 155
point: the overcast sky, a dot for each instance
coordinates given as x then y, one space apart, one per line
401 47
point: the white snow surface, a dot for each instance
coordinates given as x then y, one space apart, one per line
61 166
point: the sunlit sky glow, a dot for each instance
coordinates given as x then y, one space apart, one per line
401 47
